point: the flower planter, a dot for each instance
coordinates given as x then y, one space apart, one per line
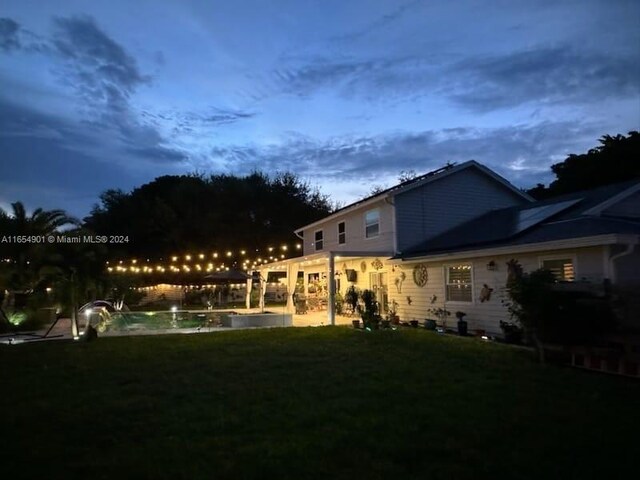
430 324
414 323
386 323
355 323
462 328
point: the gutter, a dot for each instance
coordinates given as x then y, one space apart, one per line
624 253
593 241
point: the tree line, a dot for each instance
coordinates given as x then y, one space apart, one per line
616 159
193 212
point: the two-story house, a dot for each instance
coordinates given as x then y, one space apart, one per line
353 245
442 240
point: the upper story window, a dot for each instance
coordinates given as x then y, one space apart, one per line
459 286
342 233
319 240
562 268
372 223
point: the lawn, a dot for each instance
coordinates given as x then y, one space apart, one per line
297 403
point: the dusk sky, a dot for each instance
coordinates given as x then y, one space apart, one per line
111 94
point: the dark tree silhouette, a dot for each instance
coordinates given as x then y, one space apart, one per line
616 159
192 212
25 256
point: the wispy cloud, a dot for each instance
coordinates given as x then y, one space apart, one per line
9 34
380 22
521 152
543 75
105 76
370 79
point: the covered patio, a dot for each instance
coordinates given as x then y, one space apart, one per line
319 278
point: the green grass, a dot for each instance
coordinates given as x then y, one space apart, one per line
326 403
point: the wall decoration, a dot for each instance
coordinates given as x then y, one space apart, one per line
377 264
485 293
409 301
433 299
363 266
399 280
420 275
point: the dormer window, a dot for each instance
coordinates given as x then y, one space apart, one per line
372 223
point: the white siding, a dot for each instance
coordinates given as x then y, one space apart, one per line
486 316
443 204
627 267
355 232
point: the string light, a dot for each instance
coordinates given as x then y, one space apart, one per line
156 266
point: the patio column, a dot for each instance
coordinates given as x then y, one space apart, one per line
292 278
247 299
331 281
264 273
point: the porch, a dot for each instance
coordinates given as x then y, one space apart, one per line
316 283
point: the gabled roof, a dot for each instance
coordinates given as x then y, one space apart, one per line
560 218
419 181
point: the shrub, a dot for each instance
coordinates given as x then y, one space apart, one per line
550 314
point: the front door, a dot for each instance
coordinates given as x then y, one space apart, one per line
378 282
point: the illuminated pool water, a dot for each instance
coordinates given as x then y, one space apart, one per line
162 320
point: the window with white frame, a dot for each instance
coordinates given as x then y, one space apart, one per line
319 240
372 223
342 233
562 268
459 286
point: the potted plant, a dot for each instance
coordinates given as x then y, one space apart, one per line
441 314
512 332
369 310
392 315
430 324
462 324
351 298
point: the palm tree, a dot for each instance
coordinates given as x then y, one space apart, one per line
23 261
25 256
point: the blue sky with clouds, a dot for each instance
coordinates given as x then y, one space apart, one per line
110 94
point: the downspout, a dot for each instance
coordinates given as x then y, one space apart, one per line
624 253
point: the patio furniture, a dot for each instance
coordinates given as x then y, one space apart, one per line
301 306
